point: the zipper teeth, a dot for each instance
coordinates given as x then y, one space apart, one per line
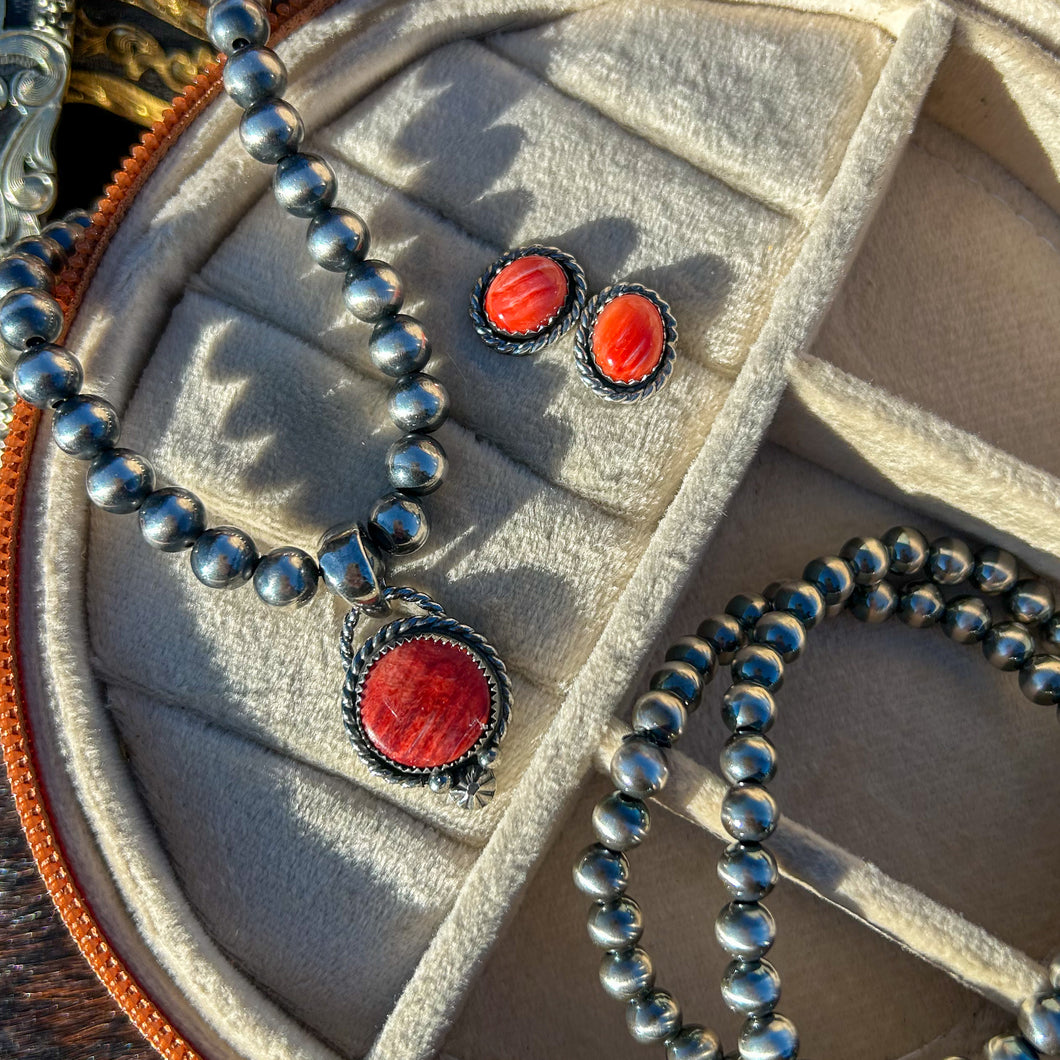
15 738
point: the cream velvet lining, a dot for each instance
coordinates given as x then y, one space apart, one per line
275 900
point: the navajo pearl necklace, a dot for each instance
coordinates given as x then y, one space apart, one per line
426 699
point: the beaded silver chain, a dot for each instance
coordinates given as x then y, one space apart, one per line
757 637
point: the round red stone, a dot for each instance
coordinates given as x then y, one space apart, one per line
628 338
526 295
425 702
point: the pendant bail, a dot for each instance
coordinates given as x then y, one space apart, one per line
353 569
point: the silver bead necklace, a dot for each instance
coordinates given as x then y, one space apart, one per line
757 637
426 699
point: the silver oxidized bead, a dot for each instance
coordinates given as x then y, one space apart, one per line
748 707
639 768
747 609
751 988
1039 1022
44 249
24 270
869 559
601 873
950 561
235 24
748 756
967 619
832 578
119 481
694 1043
351 566
29 316
1008 1047
653 1017
783 632
616 924
271 130
748 812
873 603
1050 632
921 606
771 1037
660 715
418 403
399 345
304 184
620 822
416 464
745 930
697 653
286 577
801 599
625 974
680 678
337 239
65 233
85 425
79 217
1030 601
724 634
748 871
398 524
373 290
1040 679
908 549
1008 645
995 570
224 557
759 665
254 74
46 375
171 519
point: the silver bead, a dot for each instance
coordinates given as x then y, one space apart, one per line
29 316
748 812
79 217
1039 1022
759 665
373 290
601 873
24 270
399 345
619 822
748 708
697 653
1008 1047
626 974
416 464
832 578
639 768
286 577
748 871
801 599
748 756
869 559
694 1043
1050 632
950 561
418 403
1054 972
659 715
1040 679
921 606
747 609
654 1017
398 524
85 425
1008 646
908 549
271 130
616 924
254 74
1030 601
724 634
337 239
874 603
745 930
682 679
119 481
47 374
771 1037
782 632
995 570
751 988
235 24
352 567
967 619
224 557
44 249
65 233
304 184
171 519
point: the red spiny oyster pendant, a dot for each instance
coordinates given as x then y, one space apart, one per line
426 701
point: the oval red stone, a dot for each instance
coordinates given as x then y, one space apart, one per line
526 295
628 338
425 702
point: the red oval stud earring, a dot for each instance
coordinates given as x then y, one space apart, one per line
527 298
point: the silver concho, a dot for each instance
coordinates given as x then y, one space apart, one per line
468 779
